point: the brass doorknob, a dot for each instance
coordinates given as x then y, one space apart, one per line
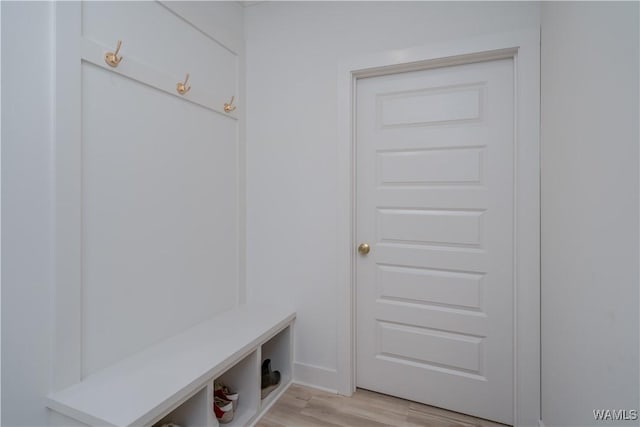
364 248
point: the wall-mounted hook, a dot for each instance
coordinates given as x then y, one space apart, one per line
111 58
182 88
229 107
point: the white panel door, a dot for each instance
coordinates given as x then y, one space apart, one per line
435 184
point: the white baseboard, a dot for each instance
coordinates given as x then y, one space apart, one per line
540 423
316 377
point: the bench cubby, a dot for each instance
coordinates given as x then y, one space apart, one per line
193 412
242 378
173 381
278 350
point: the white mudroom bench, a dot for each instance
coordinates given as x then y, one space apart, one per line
172 381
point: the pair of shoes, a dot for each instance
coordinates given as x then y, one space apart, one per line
222 391
270 379
225 402
223 410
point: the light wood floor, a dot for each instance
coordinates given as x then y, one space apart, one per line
303 406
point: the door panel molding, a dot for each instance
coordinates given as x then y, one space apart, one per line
524 49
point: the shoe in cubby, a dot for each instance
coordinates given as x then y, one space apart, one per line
270 379
223 392
223 410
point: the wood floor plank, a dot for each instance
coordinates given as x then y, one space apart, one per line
287 418
434 420
432 410
302 406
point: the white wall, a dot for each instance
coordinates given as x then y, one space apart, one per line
293 53
27 213
589 211
28 197
590 183
224 20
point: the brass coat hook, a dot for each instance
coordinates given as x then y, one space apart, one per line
182 88
111 58
229 107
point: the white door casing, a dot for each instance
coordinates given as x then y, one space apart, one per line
435 203
523 48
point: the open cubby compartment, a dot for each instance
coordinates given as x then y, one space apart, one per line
159 383
242 378
278 349
193 412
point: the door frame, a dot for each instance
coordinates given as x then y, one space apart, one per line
524 48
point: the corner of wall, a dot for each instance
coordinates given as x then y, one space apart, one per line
316 377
